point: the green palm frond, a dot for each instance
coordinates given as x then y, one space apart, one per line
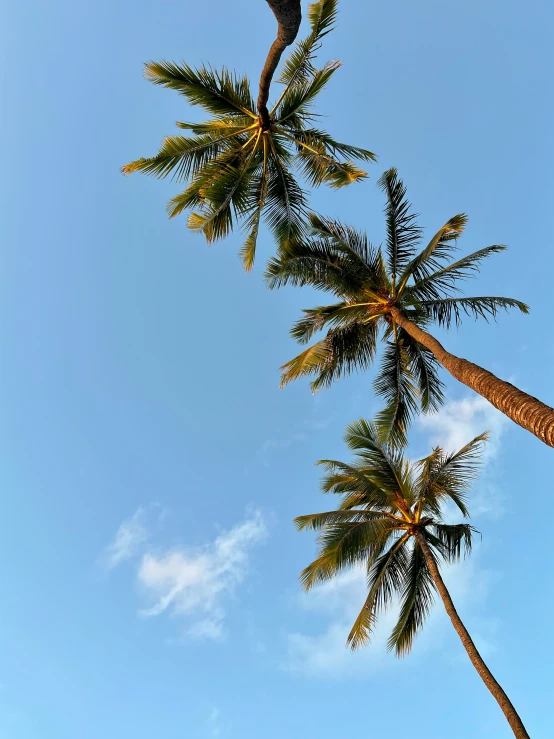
396 384
221 93
448 310
416 603
382 463
285 203
385 577
449 476
313 360
337 315
390 521
358 488
444 281
243 167
316 521
301 97
333 356
319 163
424 369
440 248
403 234
315 263
456 539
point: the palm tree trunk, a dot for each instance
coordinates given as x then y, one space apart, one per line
289 15
528 412
486 675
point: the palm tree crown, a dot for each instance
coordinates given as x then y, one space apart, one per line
239 164
388 507
374 286
391 521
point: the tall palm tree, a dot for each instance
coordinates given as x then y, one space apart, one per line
395 293
390 521
239 164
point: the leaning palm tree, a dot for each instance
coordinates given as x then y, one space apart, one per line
390 520
242 162
395 293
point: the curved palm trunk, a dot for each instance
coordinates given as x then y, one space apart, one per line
289 15
486 675
528 412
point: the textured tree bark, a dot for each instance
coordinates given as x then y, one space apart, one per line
525 410
486 675
289 15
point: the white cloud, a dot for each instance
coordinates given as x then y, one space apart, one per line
189 583
459 421
130 536
194 584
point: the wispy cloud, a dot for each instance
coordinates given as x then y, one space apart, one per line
300 434
459 421
191 583
269 446
214 722
194 583
129 538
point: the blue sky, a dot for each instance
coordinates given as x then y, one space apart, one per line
150 465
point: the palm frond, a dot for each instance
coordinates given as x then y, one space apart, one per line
300 97
342 351
313 262
361 488
338 315
230 189
351 348
416 602
403 234
384 580
444 281
424 370
317 521
438 249
309 362
219 125
221 93
344 545
319 164
383 464
447 310
456 539
257 198
286 208
332 147
396 383
449 476
181 155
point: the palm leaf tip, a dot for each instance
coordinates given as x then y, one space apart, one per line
248 250
128 169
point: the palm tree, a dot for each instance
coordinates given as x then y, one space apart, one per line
239 163
395 293
390 521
